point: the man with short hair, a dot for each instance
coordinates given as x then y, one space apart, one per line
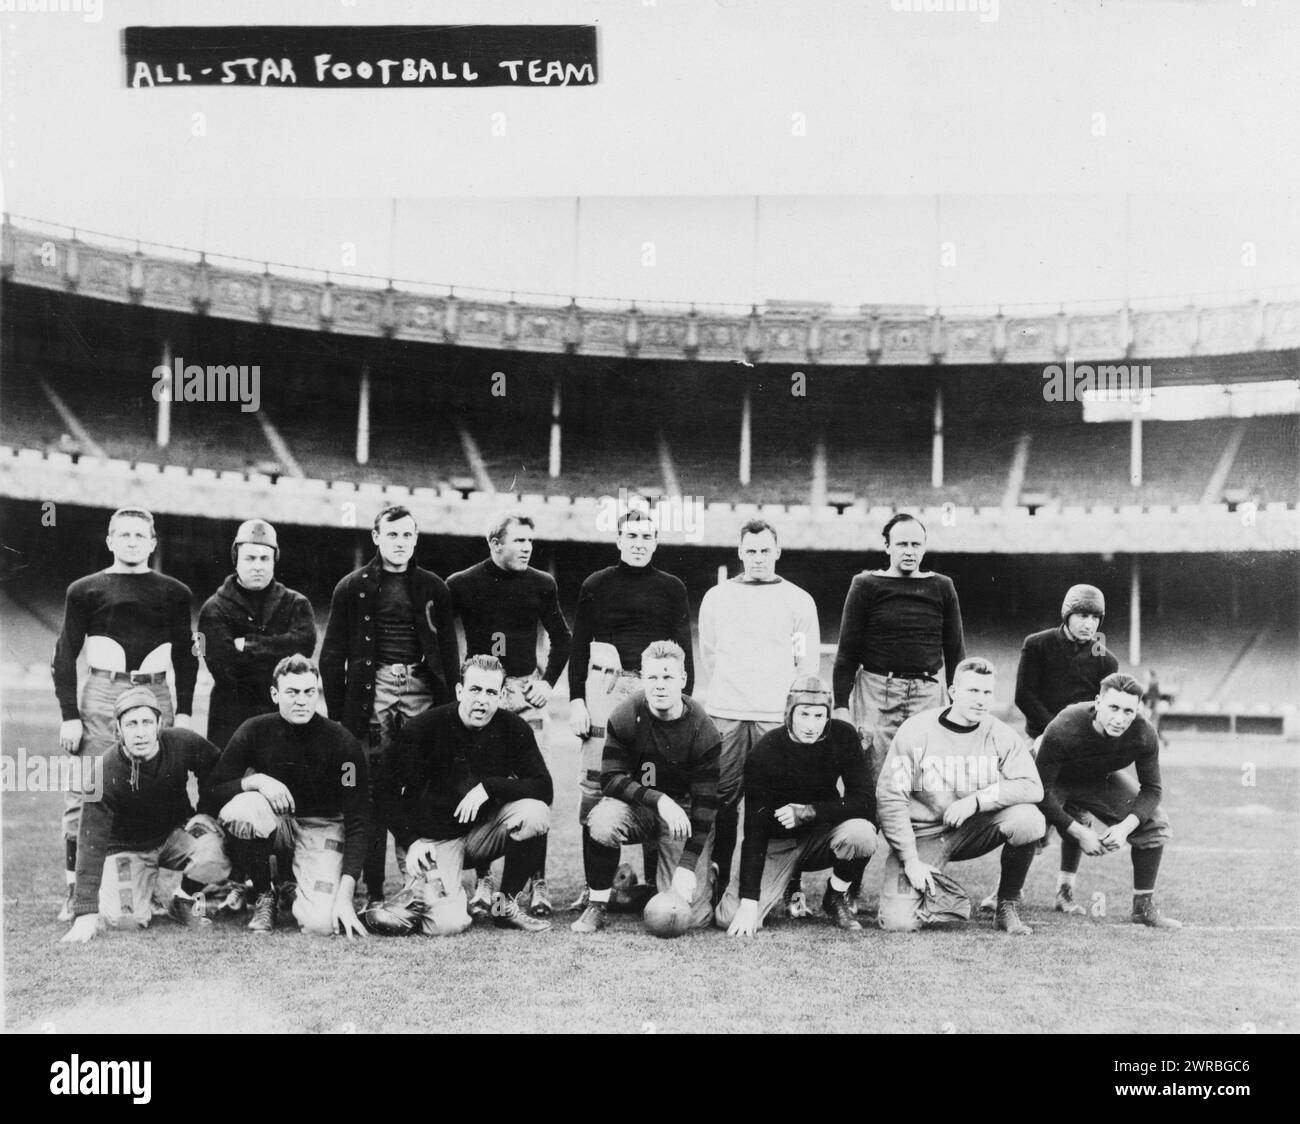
757 633
468 784
143 820
1060 666
1082 760
795 817
957 783
621 609
501 601
295 781
390 652
659 776
899 626
132 622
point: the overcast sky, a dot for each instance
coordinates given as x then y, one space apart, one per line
738 150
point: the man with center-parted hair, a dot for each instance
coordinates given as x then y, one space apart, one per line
130 621
390 652
659 775
620 610
957 783
1082 759
795 817
899 627
757 633
501 601
467 783
295 781
143 820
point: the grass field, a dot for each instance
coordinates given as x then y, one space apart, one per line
1229 876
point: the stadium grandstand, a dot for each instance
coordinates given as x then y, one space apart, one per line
823 421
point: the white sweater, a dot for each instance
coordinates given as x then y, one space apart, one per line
756 638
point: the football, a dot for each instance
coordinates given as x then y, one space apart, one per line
667 915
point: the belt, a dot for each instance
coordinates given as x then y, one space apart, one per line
404 668
930 675
131 676
617 672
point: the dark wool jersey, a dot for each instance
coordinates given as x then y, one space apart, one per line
143 803
1056 671
139 611
495 604
437 759
1073 750
781 771
898 624
395 639
647 758
320 763
629 607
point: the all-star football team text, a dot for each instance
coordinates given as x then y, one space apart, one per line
399 730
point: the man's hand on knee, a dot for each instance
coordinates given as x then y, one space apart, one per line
342 914
920 875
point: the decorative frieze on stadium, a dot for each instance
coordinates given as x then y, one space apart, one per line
30 474
775 333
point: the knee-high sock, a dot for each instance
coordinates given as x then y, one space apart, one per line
521 863
1015 868
254 856
599 862
649 862
70 855
724 839
190 886
1071 852
849 870
1146 864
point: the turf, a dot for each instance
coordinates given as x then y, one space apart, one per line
1231 969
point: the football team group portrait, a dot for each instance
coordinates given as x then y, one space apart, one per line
651 517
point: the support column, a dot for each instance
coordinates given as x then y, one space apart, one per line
1135 611
936 452
363 416
165 400
817 498
746 440
553 463
1135 451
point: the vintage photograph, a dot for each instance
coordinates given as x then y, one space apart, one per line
651 517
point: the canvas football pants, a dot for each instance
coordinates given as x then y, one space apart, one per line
317 846
197 850
845 846
1020 825
881 703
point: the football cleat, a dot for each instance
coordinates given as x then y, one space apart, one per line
158 907
592 919
990 904
189 911
1009 919
1146 913
855 896
836 907
287 895
507 913
539 901
581 901
65 911
796 905
1065 902
480 905
264 913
